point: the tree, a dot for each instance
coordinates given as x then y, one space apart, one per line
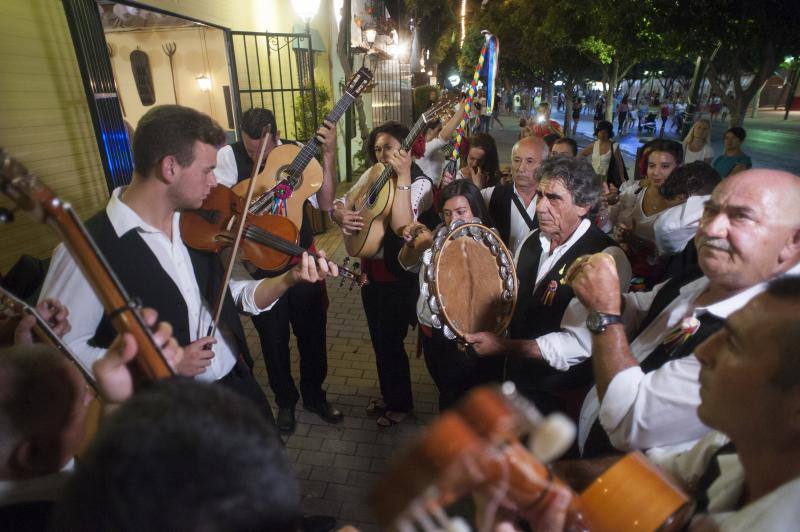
622 34
750 40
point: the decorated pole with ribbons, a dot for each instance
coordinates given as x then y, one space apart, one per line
489 55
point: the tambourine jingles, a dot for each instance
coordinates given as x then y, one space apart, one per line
470 282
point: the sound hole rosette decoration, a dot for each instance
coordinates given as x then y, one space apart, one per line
469 281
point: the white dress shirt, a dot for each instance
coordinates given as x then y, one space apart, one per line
43 488
554 346
227 171
519 229
676 226
657 409
432 163
66 282
775 511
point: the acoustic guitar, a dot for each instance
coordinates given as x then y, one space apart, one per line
476 448
13 308
292 174
30 195
373 199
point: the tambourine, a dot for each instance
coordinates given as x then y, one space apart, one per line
470 282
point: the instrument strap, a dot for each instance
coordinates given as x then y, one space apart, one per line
525 216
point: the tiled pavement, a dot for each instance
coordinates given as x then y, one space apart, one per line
335 464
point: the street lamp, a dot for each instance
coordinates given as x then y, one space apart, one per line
306 9
371 34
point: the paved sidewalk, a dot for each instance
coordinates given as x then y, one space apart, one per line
336 464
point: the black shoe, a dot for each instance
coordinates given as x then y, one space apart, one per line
317 523
285 419
326 411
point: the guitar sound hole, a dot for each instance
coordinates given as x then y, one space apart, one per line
296 180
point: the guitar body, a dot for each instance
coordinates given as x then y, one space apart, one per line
375 211
273 173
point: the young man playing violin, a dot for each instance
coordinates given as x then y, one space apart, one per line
304 306
175 151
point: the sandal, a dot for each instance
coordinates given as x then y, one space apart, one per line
376 407
391 418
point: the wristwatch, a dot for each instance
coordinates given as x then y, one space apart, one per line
598 322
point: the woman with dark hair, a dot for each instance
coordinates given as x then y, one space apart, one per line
692 185
638 208
454 371
606 157
734 160
483 163
390 296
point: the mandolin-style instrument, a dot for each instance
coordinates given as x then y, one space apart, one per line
30 195
291 174
373 199
13 308
476 448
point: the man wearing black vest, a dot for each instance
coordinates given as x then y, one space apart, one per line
304 305
568 188
513 206
647 392
138 232
745 474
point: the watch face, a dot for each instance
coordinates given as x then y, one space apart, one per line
594 322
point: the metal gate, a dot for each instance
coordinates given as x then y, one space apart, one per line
391 97
276 71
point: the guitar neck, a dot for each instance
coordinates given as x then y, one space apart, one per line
258 235
15 307
388 172
312 147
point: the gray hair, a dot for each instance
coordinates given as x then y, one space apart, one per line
577 175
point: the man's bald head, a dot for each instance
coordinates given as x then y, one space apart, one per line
750 230
526 156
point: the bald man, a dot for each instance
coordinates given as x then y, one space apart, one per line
513 206
647 391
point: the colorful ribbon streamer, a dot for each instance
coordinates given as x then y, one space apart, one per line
489 54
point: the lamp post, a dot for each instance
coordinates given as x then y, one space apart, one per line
306 10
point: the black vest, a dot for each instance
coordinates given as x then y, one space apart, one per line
598 442
538 314
244 167
500 205
147 283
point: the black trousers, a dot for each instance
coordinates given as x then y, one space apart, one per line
456 372
240 379
390 309
303 307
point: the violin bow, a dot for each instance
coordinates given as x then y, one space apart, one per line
266 135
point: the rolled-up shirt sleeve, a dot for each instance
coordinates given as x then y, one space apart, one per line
676 226
243 290
641 410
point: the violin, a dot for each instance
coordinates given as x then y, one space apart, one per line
212 228
30 195
269 241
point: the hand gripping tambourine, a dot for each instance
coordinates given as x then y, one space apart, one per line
470 283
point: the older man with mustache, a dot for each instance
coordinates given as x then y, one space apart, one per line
647 391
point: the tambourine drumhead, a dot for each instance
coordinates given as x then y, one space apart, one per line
471 280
